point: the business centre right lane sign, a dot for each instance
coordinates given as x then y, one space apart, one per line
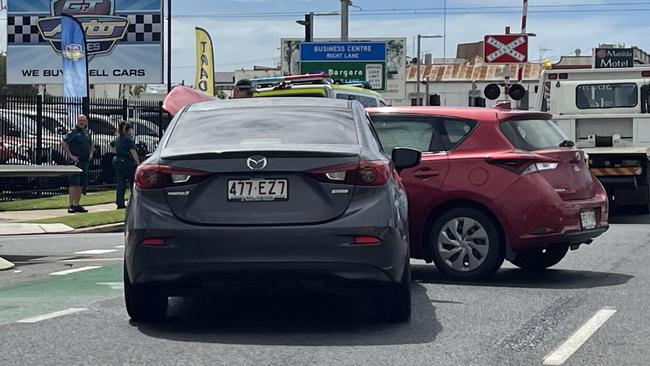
346 61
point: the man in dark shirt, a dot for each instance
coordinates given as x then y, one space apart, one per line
243 89
79 148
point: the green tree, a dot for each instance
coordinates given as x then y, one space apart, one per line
13 89
221 94
136 90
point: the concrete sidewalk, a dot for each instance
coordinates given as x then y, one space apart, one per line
15 222
32 215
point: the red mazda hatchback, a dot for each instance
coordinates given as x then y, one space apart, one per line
493 184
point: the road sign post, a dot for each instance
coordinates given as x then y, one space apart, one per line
506 49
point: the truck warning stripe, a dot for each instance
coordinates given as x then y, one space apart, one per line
625 171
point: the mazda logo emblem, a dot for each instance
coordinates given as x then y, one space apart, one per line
256 162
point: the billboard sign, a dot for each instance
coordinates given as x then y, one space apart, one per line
124 40
611 58
380 61
346 61
505 48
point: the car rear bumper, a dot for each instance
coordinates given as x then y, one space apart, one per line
547 219
195 254
190 276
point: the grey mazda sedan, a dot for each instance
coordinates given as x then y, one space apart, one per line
287 189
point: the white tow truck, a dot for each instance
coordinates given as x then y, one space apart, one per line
607 113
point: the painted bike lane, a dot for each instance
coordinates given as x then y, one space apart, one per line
59 292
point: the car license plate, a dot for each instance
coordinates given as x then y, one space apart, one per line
588 219
254 190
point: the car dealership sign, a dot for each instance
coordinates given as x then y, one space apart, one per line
123 38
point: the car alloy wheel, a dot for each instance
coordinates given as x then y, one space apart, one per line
463 244
466 244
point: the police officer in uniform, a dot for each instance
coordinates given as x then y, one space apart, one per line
125 161
78 148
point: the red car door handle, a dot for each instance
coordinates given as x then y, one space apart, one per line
426 173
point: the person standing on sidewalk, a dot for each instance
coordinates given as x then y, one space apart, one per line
78 148
125 161
243 89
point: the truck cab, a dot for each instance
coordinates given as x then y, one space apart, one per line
607 113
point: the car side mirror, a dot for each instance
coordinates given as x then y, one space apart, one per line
404 157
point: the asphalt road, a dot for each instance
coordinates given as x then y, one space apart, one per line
589 310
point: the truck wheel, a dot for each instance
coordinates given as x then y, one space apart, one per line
540 258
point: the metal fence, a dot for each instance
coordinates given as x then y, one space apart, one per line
32 127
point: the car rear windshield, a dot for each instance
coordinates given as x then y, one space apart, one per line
533 134
265 126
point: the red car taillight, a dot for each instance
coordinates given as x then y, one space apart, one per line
365 173
161 176
523 164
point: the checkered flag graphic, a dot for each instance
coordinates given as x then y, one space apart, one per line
144 28
23 29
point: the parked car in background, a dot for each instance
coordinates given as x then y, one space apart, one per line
492 184
21 132
259 189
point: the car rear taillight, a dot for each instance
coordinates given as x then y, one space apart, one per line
365 173
152 176
523 164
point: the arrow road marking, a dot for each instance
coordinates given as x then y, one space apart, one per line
509 49
568 348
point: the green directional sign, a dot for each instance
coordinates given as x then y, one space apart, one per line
346 61
373 72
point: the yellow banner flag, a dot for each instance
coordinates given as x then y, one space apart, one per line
204 62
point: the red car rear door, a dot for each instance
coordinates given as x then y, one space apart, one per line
424 182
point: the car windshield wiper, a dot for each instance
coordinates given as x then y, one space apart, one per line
567 143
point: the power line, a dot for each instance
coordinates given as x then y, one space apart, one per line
540 9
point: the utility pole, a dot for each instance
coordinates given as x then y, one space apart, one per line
169 46
444 36
345 19
419 64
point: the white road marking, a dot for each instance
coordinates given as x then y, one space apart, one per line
18 271
74 270
96 251
120 247
51 315
92 260
113 285
568 348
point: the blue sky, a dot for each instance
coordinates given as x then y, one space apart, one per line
246 39
248 32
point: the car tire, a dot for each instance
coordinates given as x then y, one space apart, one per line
393 303
540 258
144 304
482 241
